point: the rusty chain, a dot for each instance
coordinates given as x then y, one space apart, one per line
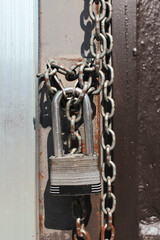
73 120
92 76
81 231
108 139
79 213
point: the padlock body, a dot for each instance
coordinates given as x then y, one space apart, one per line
75 174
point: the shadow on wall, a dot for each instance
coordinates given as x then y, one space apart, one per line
87 26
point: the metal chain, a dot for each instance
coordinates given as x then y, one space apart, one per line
81 231
73 120
108 140
90 75
79 213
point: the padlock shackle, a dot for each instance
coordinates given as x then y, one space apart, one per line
56 122
87 117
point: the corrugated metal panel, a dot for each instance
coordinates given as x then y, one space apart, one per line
17 109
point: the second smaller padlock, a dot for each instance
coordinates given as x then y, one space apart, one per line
73 174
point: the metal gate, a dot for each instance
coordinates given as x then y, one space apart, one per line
64 31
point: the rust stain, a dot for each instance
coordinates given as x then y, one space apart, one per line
70 59
40 223
83 146
40 201
40 154
98 213
97 8
40 176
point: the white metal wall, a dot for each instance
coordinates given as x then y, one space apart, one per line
18 34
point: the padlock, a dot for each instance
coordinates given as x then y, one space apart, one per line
73 174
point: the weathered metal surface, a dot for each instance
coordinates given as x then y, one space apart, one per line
137 185
17 109
125 120
66 39
148 25
61 23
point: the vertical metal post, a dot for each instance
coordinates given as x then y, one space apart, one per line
125 119
18 48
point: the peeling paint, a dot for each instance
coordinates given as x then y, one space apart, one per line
149 229
148 17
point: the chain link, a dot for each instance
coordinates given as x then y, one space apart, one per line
79 213
73 120
106 228
90 76
81 231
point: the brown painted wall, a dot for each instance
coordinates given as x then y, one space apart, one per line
148 29
137 119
